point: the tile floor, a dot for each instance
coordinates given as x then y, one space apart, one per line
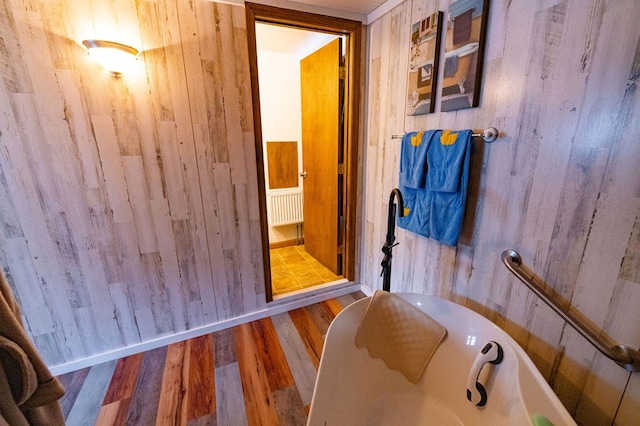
292 268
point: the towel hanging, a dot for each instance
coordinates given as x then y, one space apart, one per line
435 191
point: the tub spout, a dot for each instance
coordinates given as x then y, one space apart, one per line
387 248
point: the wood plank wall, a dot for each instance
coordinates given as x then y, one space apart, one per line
562 186
128 206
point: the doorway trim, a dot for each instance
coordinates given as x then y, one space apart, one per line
339 26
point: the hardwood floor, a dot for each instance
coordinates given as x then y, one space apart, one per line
259 373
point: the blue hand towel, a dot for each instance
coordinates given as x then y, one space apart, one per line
445 161
447 181
413 158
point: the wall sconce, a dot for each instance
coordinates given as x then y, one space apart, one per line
114 57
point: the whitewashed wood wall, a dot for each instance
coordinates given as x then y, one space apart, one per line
128 206
562 187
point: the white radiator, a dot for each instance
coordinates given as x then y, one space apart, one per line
285 206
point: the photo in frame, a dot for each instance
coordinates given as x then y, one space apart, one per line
424 59
465 38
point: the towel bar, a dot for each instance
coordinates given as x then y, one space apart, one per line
489 135
623 355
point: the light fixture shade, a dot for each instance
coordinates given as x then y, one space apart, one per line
115 57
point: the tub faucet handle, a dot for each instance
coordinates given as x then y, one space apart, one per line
491 353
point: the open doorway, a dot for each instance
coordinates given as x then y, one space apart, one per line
311 164
301 99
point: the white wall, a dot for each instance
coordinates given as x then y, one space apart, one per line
279 82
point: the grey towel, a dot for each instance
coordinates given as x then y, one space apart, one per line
451 66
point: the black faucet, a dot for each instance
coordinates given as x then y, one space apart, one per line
387 248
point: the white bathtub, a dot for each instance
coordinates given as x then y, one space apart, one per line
463 51
354 389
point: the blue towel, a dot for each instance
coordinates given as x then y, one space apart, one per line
413 158
445 161
435 192
413 176
416 210
447 181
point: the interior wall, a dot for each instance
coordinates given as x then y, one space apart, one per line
561 186
128 206
280 109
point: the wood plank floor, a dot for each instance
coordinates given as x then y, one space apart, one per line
259 373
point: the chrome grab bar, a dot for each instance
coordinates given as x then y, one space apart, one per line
625 356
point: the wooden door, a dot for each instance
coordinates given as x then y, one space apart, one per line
321 132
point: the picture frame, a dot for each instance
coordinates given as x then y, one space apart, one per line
424 60
464 54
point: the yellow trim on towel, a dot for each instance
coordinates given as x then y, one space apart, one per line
417 139
406 211
448 138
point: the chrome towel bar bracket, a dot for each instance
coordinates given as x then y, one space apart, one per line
625 356
488 135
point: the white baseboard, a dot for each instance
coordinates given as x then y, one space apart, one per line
366 290
283 304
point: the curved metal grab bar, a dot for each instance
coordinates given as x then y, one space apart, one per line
625 356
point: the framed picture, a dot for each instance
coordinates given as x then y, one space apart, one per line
464 54
426 36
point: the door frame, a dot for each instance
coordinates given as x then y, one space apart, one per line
321 23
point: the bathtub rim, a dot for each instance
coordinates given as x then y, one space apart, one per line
528 373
